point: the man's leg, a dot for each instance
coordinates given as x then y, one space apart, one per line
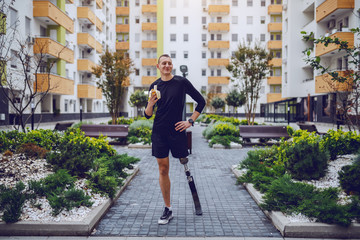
164 179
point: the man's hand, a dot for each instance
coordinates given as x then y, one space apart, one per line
152 100
182 125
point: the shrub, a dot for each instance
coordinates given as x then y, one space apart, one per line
142 129
340 142
306 160
349 177
221 129
32 150
122 120
12 201
223 140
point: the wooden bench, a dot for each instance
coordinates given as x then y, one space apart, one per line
112 131
62 126
309 128
263 131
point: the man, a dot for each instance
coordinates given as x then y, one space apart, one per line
169 130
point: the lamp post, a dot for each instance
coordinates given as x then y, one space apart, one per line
184 70
80 113
32 115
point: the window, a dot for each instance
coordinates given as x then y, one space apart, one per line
172 20
186 3
249 20
203 3
173 37
137 20
186 37
263 3
13 18
137 54
186 54
186 20
137 37
249 3
218 54
212 37
173 54
173 4
148 72
27 26
203 72
203 37
249 37
137 72
218 72
203 54
137 3
13 59
262 20
275 36
234 19
234 37
218 19
66 105
212 54
262 37
218 37
212 72
203 20
234 3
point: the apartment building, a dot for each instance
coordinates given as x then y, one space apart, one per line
310 97
70 35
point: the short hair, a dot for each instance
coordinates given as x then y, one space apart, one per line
163 55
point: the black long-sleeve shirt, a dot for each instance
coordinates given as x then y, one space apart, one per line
171 104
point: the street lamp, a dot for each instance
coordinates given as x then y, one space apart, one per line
184 70
80 113
32 115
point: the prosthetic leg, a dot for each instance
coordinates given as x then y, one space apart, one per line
190 179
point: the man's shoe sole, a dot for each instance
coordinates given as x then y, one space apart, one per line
163 222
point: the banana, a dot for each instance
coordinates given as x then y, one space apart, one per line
154 91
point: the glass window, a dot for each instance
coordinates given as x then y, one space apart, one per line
173 37
262 20
203 37
234 37
263 3
249 20
137 72
203 20
173 3
13 59
218 72
203 72
186 37
172 20
234 3
137 3
262 37
186 20
137 20
203 54
234 19
137 54
218 54
13 18
186 54
249 3
173 54
218 37
249 37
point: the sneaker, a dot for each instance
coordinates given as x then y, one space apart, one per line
166 216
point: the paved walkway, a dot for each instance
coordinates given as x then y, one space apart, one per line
228 210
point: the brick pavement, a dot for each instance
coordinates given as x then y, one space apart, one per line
228 210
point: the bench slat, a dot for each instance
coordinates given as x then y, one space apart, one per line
261 131
114 131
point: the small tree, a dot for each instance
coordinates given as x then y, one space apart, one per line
249 67
138 99
113 70
235 99
217 103
347 84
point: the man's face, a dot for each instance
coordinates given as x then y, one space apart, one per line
165 65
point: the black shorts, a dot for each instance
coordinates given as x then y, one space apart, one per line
162 143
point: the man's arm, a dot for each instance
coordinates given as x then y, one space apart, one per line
150 106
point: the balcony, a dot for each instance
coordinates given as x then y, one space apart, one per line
324 84
275 27
148 9
122 11
276 62
148 62
275 9
55 84
85 65
122 46
149 44
219 44
220 95
274 97
99 24
219 27
86 15
218 62
122 28
333 7
149 26
88 91
53 48
85 39
99 4
274 80
321 50
274 44
219 9
50 14
147 80
218 80
70 1
99 48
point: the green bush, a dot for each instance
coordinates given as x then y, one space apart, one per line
223 140
306 160
142 130
349 177
122 120
11 202
220 129
340 142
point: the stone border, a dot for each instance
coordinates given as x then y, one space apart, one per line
301 230
75 228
